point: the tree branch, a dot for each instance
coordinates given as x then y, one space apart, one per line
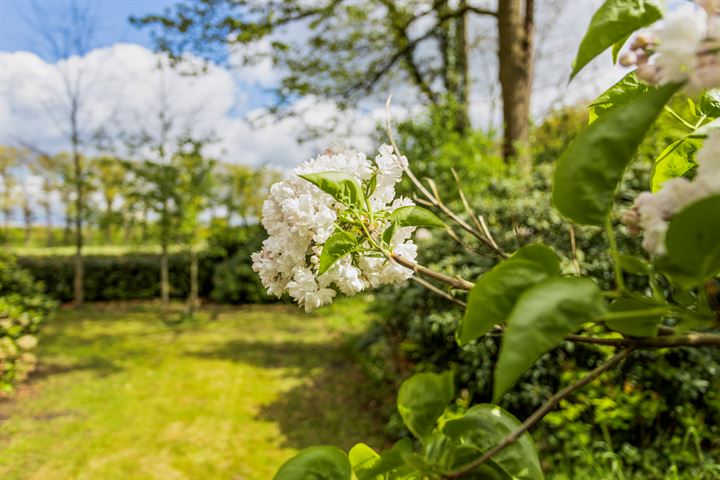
455 282
538 414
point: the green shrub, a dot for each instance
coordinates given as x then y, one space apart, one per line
23 309
679 430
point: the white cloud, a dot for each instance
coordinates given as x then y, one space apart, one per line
123 92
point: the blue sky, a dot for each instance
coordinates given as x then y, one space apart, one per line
112 16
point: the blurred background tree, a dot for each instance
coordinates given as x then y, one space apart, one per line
353 49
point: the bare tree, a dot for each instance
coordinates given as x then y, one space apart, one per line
64 36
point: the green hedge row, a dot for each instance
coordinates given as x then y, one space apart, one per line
137 276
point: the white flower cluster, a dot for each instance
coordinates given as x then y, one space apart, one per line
299 218
652 211
683 46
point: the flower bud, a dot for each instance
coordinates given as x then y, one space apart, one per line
628 59
643 39
647 73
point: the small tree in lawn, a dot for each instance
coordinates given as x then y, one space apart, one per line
194 188
110 175
155 185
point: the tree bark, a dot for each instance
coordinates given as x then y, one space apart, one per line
515 56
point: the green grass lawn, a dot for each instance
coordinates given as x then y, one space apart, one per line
120 395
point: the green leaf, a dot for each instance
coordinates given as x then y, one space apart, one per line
617 46
484 426
362 458
316 463
693 238
676 160
388 461
589 170
492 298
371 185
412 216
540 254
634 265
422 399
542 316
389 232
614 20
626 90
343 187
710 103
339 244
637 326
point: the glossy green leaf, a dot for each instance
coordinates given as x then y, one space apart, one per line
316 463
494 294
339 244
422 399
693 238
412 216
710 103
343 187
676 160
625 90
644 322
614 21
484 426
590 169
388 461
541 318
634 265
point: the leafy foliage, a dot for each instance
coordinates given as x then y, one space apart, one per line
23 310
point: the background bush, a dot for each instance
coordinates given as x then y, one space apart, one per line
225 274
23 309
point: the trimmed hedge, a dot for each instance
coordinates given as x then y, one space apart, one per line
224 274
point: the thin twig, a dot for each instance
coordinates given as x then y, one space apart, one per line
435 199
478 220
538 414
438 291
455 282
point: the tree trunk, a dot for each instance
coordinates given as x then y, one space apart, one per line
515 56
164 273
452 36
48 223
27 217
193 297
462 88
78 292
108 220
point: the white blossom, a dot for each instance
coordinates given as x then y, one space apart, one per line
680 48
299 218
655 210
679 37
